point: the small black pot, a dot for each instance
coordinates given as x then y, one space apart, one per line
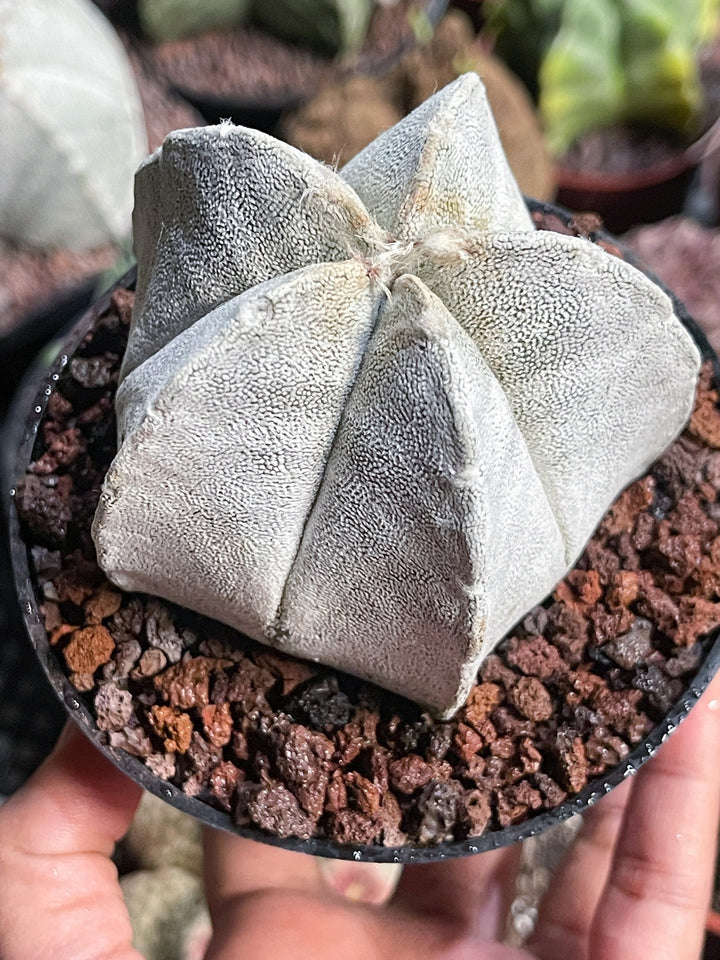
26 417
263 112
19 345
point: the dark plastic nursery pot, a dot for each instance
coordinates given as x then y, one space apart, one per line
19 345
27 418
263 109
643 196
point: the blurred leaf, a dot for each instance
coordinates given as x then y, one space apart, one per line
581 77
659 47
523 31
327 26
421 25
615 61
175 19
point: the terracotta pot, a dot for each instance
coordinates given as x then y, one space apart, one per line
27 416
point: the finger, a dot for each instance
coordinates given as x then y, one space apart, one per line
288 924
361 881
474 893
235 867
660 881
270 904
237 871
569 905
60 894
266 902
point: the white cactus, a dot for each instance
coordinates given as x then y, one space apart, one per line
71 126
372 418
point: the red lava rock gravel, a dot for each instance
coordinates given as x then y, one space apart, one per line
299 750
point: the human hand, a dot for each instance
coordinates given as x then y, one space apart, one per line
636 882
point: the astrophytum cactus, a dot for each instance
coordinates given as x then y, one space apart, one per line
71 126
371 418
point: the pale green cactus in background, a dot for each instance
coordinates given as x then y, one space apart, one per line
71 126
329 26
624 61
592 63
175 19
371 418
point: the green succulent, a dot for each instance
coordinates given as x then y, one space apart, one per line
328 26
523 31
597 62
176 19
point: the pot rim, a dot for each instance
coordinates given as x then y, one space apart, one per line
597 181
34 395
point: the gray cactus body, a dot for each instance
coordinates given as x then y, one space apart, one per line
372 418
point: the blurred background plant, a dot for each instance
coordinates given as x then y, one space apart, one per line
330 27
628 94
78 112
68 104
592 63
71 135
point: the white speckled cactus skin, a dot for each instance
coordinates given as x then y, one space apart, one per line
372 418
71 126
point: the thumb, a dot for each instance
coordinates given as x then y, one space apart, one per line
60 891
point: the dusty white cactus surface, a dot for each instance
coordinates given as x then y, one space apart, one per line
71 126
371 418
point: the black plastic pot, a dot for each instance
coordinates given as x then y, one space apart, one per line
264 112
27 416
19 345
30 715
